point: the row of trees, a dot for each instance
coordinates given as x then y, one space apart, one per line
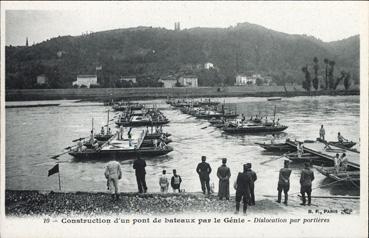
329 82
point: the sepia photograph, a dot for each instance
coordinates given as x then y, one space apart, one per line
184 119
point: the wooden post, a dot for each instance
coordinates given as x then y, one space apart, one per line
107 124
59 179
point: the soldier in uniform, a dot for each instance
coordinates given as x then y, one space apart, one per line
307 176
176 181
284 182
203 170
113 173
242 186
223 173
252 185
139 165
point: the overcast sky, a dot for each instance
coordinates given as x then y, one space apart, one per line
327 21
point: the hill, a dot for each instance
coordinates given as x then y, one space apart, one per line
150 53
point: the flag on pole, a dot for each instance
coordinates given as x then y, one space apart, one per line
53 170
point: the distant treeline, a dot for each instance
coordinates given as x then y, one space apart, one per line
151 53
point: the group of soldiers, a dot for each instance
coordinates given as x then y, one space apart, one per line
244 184
113 173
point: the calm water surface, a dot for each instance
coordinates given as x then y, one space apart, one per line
33 135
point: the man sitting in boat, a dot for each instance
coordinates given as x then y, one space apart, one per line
79 146
102 132
340 138
243 118
109 131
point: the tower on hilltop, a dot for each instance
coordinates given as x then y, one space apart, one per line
177 26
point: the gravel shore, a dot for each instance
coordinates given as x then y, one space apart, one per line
31 203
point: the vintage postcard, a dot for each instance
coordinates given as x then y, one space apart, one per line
184 119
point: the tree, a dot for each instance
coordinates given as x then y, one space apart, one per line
338 80
316 68
326 62
330 74
259 81
306 84
346 81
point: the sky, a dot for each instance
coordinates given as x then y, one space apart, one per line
328 21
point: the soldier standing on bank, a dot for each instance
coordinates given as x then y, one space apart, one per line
284 182
242 187
113 173
307 176
252 185
203 170
139 166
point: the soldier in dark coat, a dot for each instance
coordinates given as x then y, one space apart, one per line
307 176
242 187
252 187
139 165
203 169
223 173
284 182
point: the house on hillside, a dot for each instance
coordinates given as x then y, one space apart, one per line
188 81
128 79
208 65
41 79
86 80
241 79
168 81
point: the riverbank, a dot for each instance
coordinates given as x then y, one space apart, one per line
106 94
31 203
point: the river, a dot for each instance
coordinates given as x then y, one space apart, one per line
35 134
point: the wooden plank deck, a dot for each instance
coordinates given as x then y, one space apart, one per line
318 148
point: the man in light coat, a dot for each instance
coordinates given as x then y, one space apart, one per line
223 173
113 173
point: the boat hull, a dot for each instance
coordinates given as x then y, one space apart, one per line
141 123
281 147
342 176
256 129
217 116
120 154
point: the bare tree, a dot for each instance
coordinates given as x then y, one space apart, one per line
316 68
326 61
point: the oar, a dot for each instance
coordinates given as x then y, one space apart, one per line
204 127
69 147
267 161
56 156
79 139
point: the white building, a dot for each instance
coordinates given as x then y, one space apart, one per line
188 81
86 80
41 79
208 65
168 83
128 79
242 79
